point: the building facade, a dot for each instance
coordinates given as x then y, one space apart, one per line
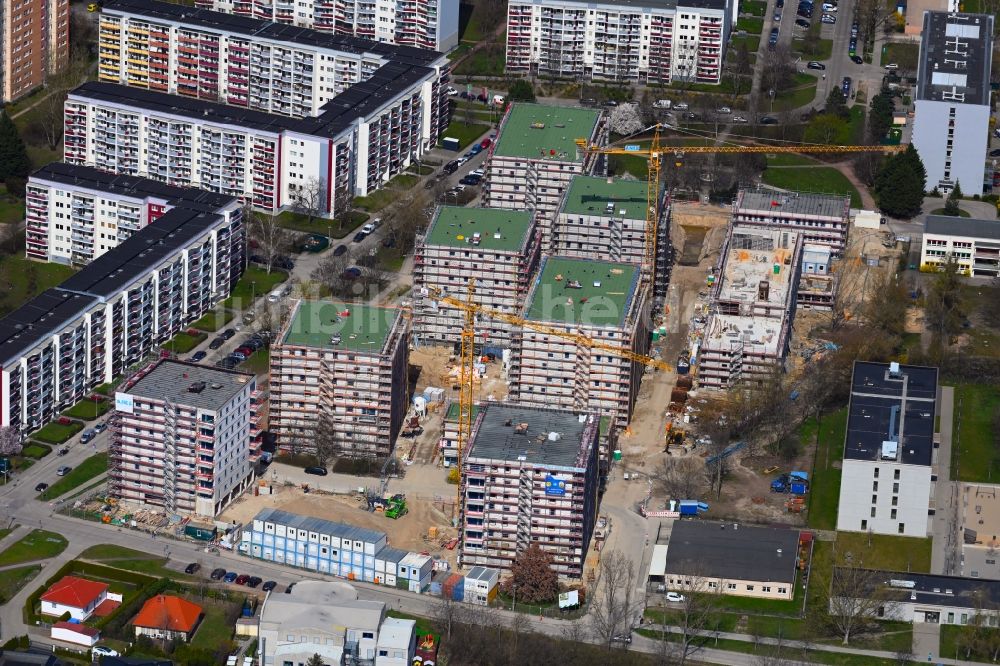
34 44
974 245
530 477
535 156
342 367
601 218
115 312
647 42
498 248
184 437
584 299
889 448
426 24
951 125
74 214
820 219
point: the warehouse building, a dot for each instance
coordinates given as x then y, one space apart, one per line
530 477
581 299
497 247
821 219
752 306
426 24
344 365
654 42
535 156
973 244
115 312
890 447
185 438
74 213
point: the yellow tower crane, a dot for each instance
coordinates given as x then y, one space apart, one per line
467 359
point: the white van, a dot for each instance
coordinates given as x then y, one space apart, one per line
276 295
661 104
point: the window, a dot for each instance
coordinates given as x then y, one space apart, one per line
902 528
864 525
873 512
876 472
367 634
749 588
874 486
731 586
765 588
892 514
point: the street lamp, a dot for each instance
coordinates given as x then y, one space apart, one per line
771 94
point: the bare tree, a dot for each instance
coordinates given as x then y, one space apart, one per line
446 613
696 611
408 222
271 238
309 199
10 441
777 70
325 440
614 605
47 118
343 205
856 597
681 478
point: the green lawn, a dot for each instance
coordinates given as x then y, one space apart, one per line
468 23
14 579
817 180
213 321
488 60
753 25
802 95
11 208
459 51
130 560
88 410
755 7
752 42
56 433
6 531
823 50
20 279
940 211
791 160
896 51
620 165
38 545
258 363
465 134
256 282
950 646
213 629
36 450
182 343
91 467
973 456
319 225
895 553
824 489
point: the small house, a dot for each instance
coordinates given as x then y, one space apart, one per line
79 597
167 617
387 565
481 585
416 571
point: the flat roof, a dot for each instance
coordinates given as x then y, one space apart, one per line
891 408
967 227
171 380
582 291
452 413
980 515
499 434
724 332
38 319
758 266
363 328
539 131
319 525
730 551
643 4
955 54
86 177
591 195
795 203
500 229
939 590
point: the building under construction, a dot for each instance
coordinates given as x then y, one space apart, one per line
498 247
530 477
752 305
821 219
577 299
345 364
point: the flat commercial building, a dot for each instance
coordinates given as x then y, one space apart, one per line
74 213
973 244
821 219
753 303
599 300
979 530
951 124
656 41
184 438
498 247
889 448
427 24
535 156
530 477
34 44
115 312
343 364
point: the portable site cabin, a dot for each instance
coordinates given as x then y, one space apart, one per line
481 585
417 571
387 565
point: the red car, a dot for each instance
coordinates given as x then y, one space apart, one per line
246 351
486 143
242 579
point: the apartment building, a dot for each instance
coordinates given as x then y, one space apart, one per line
889 447
973 244
530 477
655 41
75 213
184 438
244 62
426 24
498 247
448 444
820 219
345 364
535 155
951 125
601 218
584 299
753 302
115 312
34 44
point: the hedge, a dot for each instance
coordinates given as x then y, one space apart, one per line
76 566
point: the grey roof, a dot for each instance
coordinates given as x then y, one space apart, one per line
320 525
495 436
396 632
330 606
483 573
657 4
795 203
955 54
884 408
962 226
938 590
389 554
724 550
38 319
172 379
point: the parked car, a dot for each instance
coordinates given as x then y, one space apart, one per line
681 106
768 120
198 356
588 101
368 228
227 334
101 427
238 356
777 17
470 180
192 568
246 351
452 91
227 363
829 7
284 263
622 638
63 471
739 119
87 435
829 19
845 86
104 651
674 597
995 152
339 250
241 579
802 23
813 64
288 590
476 149
486 143
216 343
724 110
268 586
316 471
63 451
41 487
779 4
858 60
610 102
892 66
254 581
230 577
451 167
360 236
217 574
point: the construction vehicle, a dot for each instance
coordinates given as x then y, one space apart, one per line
796 483
396 507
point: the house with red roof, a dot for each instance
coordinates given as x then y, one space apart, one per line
79 597
167 617
75 632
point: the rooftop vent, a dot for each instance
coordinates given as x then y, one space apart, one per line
554 436
216 385
196 387
894 370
